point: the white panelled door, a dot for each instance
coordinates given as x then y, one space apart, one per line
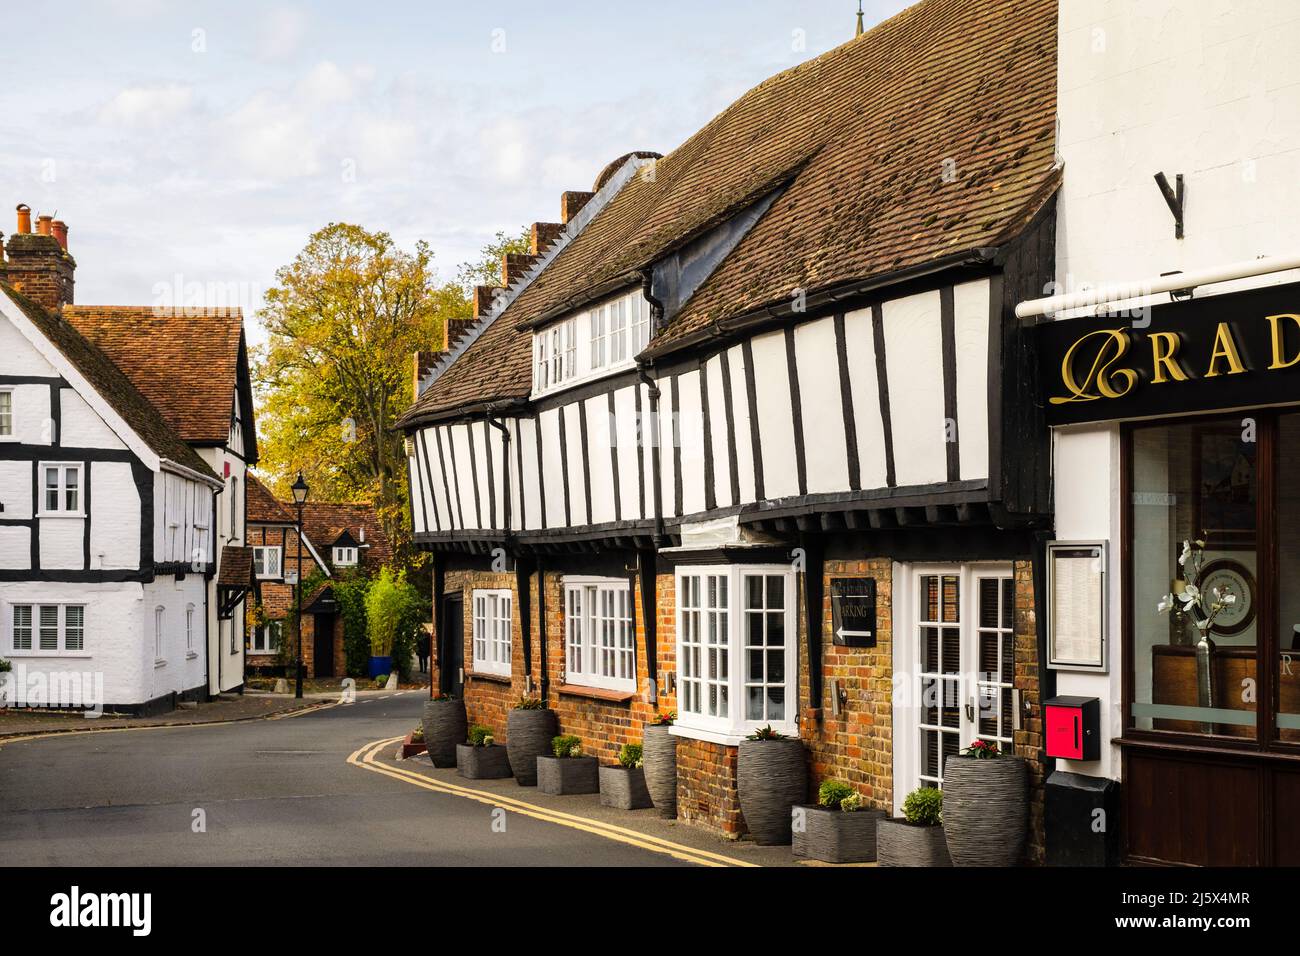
955 657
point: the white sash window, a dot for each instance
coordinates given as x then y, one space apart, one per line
47 629
599 638
492 630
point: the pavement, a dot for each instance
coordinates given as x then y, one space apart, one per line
219 710
316 787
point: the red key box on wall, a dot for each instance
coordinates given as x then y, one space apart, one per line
1073 727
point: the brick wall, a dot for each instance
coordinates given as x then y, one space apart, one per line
1029 739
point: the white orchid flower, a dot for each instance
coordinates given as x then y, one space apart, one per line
1187 553
1166 603
1230 599
1191 594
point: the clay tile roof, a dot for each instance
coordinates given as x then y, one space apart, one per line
858 138
263 506
112 384
185 361
236 567
323 523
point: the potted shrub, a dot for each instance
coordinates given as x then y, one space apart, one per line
836 829
529 729
566 770
482 758
414 743
986 812
771 779
916 839
444 727
623 786
384 603
6 680
659 760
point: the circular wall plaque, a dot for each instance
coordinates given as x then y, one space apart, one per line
1225 573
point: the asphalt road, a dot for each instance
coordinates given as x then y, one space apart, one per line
271 792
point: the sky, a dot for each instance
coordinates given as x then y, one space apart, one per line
193 146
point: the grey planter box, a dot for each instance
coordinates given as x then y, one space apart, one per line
444 727
771 778
624 788
985 809
528 736
659 761
834 836
898 843
564 775
482 763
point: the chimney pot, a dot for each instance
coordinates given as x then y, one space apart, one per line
43 225
60 231
24 218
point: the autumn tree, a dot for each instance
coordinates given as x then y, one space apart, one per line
343 320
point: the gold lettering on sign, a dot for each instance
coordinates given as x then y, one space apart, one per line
1114 345
1224 348
1164 358
1279 341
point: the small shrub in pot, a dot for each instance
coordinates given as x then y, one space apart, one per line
529 729
567 770
771 780
917 838
623 786
837 829
481 759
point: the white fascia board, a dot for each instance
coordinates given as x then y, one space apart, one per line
73 377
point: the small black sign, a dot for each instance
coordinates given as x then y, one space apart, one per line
853 612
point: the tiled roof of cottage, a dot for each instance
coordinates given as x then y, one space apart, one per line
324 522
112 384
185 361
236 567
262 506
861 137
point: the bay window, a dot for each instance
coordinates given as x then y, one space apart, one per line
599 637
736 651
492 630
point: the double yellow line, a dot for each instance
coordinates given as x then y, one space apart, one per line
365 759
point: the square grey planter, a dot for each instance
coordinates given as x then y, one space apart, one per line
834 836
899 843
624 788
562 775
482 763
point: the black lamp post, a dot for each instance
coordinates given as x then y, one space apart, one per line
299 490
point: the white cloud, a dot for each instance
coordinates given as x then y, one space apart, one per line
148 107
326 84
273 139
282 33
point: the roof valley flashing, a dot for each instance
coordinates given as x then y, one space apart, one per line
570 232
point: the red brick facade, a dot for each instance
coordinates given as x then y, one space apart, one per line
855 746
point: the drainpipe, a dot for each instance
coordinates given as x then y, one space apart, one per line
541 621
505 470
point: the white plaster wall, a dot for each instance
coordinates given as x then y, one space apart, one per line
599 449
817 363
720 437
62 544
914 362
970 302
740 414
114 634
81 426
578 511
626 435
225 666
549 426
15 547
16 488
531 486
775 426
181 667
18 356
1206 88
115 517
690 433
860 346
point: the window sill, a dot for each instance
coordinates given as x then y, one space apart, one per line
60 514
490 678
597 693
191 655
727 738
51 655
158 664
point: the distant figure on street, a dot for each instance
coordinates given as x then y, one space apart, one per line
422 650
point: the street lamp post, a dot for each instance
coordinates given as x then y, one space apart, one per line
299 489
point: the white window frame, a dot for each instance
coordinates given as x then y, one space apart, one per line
11 434
61 649
492 626
599 633
62 511
732 726
159 635
189 632
601 340
345 557
260 551
908 659
261 642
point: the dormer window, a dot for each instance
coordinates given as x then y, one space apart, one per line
345 557
605 338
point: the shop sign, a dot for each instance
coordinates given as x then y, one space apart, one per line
853 612
1217 352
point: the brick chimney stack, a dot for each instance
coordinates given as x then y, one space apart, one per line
39 265
571 204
